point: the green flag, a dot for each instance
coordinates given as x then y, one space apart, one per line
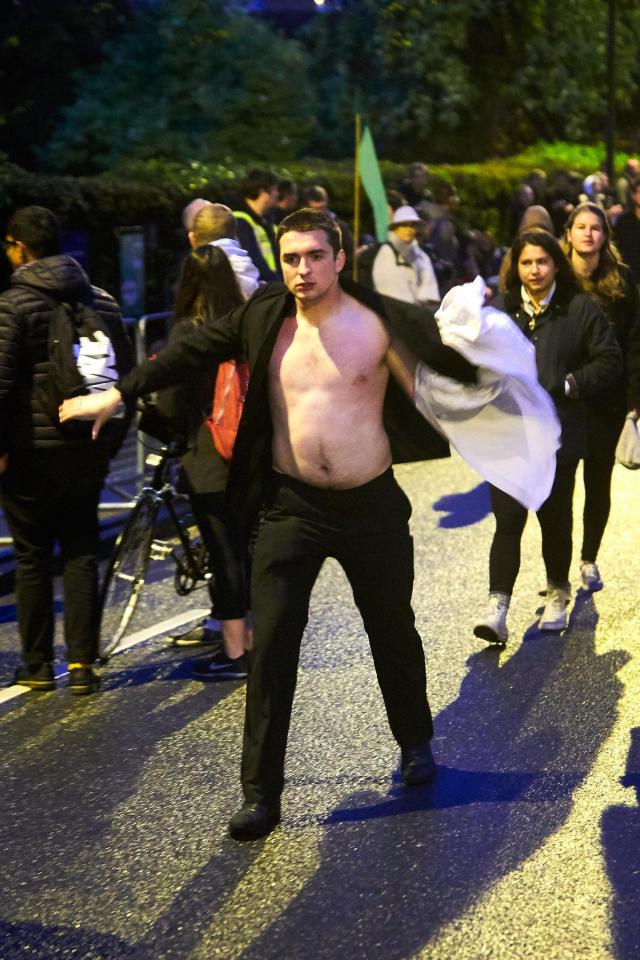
373 186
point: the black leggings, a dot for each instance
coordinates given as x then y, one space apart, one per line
598 467
227 555
555 517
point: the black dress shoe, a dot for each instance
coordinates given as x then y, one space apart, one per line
253 820
418 765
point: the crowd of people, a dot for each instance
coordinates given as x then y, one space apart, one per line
266 283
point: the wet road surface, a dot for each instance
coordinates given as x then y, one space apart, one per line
114 808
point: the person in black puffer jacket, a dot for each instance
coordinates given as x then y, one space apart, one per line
576 356
51 480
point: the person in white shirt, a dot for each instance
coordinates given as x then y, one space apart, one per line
401 268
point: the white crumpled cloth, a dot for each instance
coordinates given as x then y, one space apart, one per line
505 426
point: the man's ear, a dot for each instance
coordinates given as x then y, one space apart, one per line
340 260
24 253
191 237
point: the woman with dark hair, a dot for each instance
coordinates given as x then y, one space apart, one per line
208 288
598 267
576 356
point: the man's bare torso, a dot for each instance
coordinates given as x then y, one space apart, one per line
326 391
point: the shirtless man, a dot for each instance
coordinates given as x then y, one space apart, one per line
318 379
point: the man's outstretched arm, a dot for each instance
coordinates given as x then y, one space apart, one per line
98 407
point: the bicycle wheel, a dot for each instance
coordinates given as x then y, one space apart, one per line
124 577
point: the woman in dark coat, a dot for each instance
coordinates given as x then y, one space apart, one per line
208 288
597 264
576 356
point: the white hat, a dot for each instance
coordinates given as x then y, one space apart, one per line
402 215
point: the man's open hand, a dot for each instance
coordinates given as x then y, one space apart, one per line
97 407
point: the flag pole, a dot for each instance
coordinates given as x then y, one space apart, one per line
356 198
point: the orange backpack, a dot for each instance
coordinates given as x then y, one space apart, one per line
232 381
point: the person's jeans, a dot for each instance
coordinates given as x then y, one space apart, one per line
366 530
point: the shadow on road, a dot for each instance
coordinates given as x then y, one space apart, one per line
464 509
514 745
620 828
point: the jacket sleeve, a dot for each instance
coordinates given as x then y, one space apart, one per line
180 405
633 349
602 354
11 348
214 341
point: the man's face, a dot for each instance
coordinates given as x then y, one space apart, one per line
406 232
309 267
267 199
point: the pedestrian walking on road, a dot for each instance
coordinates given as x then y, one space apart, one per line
576 356
596 263
51 476
312 449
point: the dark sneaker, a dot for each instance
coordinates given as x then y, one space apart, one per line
36 678
254 820
590 576
82 680
198 636
418 765
221 667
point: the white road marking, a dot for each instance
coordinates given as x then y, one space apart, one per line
155 630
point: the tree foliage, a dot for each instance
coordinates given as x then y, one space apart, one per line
190 79
467 78
41 43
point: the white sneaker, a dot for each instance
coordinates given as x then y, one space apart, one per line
493 627
554 615
591 579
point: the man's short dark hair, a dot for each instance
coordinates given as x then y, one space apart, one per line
255 182
306 220
38 228
286 187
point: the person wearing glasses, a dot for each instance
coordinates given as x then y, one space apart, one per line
51 479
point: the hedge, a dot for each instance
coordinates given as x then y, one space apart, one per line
152 194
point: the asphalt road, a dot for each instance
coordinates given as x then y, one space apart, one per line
114 808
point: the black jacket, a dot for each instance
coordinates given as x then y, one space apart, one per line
623 314
24 355
251 331
571 336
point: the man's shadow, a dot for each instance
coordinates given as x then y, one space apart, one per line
620 829
513 747
464 509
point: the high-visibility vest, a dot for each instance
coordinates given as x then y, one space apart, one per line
261 236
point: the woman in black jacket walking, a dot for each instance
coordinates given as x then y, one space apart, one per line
596 263
576 356
208 288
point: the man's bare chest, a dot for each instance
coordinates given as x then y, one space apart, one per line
311 359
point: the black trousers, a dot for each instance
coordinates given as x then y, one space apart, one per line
366 530
603 434
49 497
227 554
555 517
